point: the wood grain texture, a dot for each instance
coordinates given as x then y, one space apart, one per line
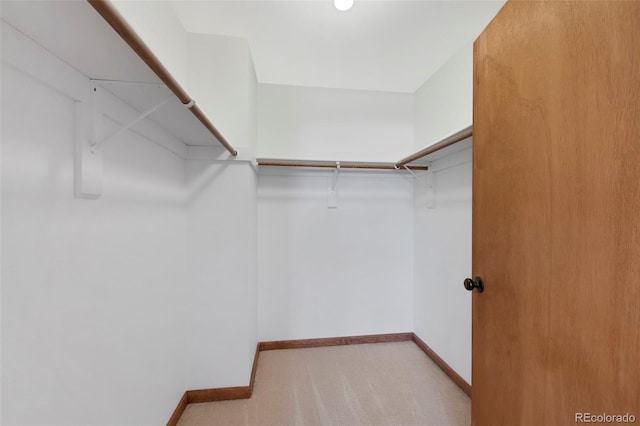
457 379
254 368
218 394
556 222
128 34
335 341
177 413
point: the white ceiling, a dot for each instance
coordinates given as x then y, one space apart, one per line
388 45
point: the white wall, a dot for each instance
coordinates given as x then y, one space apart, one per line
334 272
222 76
442 260
444 103
158 26
222 204
442 255
92 290
222 284
132 290
217 71
333 124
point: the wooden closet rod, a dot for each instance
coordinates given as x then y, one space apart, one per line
460 136
118 23
333 164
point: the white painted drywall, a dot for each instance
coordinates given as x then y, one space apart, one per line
222 79
92 290
222 279
333 124
222 205
158 26
442 260
252 101
334 272
444 103
168 287
442 255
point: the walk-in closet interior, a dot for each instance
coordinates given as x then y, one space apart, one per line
187 185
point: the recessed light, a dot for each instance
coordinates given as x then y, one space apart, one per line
343 5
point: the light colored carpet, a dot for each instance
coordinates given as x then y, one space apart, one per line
368 384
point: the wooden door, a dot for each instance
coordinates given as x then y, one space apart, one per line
556 213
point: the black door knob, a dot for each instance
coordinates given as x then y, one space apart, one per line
476 283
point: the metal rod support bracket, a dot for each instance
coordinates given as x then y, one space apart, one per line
332 196
335 176
97 144
414 175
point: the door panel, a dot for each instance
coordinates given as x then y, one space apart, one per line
556 213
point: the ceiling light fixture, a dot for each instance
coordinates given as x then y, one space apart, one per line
343 5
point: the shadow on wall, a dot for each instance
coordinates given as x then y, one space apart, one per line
201 175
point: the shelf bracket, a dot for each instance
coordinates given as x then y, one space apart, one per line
414 175
88 156
97 144
428 183
87 179
431 191
332 197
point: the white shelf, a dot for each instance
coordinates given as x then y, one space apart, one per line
74 32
